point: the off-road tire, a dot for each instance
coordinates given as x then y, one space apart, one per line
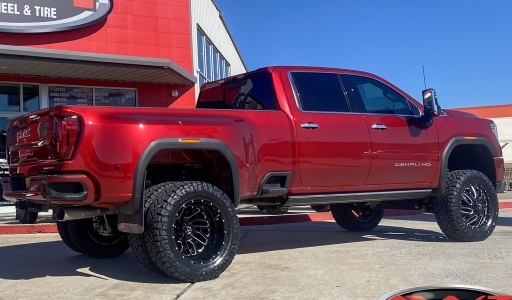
64 235
170 204
276 209
89 241
25 216
321 208
138 241
448 208
345 216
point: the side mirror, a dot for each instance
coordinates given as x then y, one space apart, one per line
431 107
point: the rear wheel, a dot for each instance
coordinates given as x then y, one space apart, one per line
195 231
276 209
357 217
321 208
25 216
64 235
469 208
138 242
97 237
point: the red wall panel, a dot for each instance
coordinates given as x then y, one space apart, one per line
144 28
132 23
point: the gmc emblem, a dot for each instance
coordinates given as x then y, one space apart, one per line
23 134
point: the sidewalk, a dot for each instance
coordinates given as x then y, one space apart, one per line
248 217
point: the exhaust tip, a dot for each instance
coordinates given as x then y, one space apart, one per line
59 213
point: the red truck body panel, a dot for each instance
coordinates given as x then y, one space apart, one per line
343 155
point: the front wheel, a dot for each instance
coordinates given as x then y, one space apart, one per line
356 217
194 231
468 210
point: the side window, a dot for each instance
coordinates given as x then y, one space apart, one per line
320 92
379 98
254 93
414 109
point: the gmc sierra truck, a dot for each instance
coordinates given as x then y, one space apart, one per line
166 182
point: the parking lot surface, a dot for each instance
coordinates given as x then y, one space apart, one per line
313 260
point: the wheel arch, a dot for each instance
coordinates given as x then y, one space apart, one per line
459 148
134 205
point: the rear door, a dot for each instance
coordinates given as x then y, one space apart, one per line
333 145
402 151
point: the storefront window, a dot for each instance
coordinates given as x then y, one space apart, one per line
9 97
30 98
86 96
69 95
114 97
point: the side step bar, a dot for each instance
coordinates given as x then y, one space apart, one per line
304 200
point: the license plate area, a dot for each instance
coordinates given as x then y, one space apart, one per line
18 183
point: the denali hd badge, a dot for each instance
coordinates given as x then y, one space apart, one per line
446 292
34 16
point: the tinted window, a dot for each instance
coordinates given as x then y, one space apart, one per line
379 98
414 109
254 93
320 92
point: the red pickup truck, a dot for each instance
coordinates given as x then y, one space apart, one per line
167 181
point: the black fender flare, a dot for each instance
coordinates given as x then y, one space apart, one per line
456 141
135 203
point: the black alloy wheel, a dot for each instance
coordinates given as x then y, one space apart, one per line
191 230
469 208
97 237
199 231
475 206
354 217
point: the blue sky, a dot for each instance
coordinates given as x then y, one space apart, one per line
466 46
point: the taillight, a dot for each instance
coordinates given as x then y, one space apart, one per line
66 131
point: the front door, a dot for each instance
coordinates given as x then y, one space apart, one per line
403 152
333 145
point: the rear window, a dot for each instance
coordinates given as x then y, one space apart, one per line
254 93
320 92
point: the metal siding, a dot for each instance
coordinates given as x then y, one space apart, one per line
505 136
205 14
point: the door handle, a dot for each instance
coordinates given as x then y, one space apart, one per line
379 127
309 125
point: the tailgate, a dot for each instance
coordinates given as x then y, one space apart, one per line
29 138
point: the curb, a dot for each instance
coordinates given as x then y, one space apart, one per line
244 221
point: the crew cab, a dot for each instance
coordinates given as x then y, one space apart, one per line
167 181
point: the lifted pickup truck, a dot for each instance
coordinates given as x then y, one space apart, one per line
167 181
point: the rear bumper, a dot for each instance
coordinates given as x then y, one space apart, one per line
74 188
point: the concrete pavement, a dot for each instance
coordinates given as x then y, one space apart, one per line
313 260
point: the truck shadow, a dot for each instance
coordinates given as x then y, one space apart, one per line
502 220
54 259
293 236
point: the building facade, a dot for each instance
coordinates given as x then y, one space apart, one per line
110 53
